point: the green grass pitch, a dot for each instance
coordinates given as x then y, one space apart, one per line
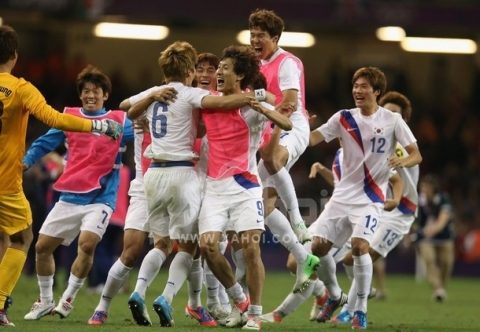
408 307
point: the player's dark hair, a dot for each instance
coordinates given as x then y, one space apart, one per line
374 76
394 97
8 43
93 75
268 21
245 63
211 58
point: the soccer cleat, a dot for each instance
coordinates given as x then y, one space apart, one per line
139 310
304 271
234 319
4 321
164 311
318 302
63 308
219 314
98 318
342 318
271 317
201 315
302 233
40 309
329 308
359 321
8 303
253 323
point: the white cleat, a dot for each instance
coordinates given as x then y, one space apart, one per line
63 308
271 317
253 323
39 310
219 314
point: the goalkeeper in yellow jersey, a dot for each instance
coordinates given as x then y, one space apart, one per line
19 99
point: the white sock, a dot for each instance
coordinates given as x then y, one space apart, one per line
223 297
236 293
254 310
362 270
212 284
194 281
349 271
241 270
318 287
151 264
117 276
294 300
181 264
352 298
74 285
280 227
326 273
45 284
286 191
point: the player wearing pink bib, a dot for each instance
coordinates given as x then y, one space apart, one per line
369 136
285 78
233 190
172 186
88 186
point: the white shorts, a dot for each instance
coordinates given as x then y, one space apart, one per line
173 200
338 254
242 212
295 141
338 222
388 235
67 220
137 214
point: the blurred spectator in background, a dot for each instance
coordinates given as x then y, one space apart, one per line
435 236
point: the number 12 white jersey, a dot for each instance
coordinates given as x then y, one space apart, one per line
173 127
368 141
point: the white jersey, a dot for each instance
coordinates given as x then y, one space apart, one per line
136 185
368 141
235 184
173 127
409 201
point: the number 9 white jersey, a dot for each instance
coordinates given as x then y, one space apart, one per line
173 127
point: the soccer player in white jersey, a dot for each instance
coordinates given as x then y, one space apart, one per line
135 230
395 224
233 191
172 186
285 78
369 135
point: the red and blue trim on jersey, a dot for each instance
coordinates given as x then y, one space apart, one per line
336 165
350 125
406 206
247 180
372 190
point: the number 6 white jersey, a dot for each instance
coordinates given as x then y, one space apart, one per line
173 127
368 141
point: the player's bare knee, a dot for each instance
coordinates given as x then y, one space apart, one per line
360 246
320 247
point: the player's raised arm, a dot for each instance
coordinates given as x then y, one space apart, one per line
276 117
232 101
316 137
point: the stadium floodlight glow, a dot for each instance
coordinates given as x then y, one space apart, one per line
1 21
288 39
439 45
130 31
390 34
